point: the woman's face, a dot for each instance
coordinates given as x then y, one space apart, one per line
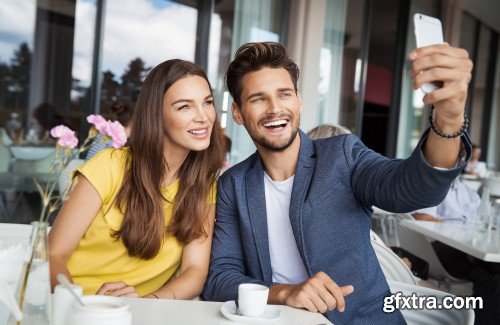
188 114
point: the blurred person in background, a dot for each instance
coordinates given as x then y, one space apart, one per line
327 130
475 167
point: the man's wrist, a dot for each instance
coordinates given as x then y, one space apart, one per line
278 293
449 126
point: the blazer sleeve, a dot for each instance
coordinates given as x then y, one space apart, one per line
227 263
399 185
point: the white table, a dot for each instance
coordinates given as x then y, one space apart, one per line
162 311
484 246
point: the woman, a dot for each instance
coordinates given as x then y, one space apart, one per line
137 213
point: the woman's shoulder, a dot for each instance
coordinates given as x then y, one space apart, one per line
118 156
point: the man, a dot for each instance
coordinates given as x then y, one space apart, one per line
462 204
295 216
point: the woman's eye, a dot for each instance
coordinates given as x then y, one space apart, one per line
183 107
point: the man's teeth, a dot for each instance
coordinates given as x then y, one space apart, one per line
275 123
198 131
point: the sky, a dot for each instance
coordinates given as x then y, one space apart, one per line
154 30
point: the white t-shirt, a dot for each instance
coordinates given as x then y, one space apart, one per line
286 262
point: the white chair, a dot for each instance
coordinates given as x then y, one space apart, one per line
387 225
431 316
418 245
493 183
392 265
65 178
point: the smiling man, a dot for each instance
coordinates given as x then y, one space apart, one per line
295 216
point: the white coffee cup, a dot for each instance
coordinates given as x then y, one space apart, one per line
102 310
252 299
63 300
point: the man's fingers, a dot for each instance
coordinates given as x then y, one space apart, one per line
337 294
444 94
319 304
306 302
347 290
440 61
440 74
327 297
443 49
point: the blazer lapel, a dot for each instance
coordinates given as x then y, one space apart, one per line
303 175
258 216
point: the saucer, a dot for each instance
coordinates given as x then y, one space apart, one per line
271 315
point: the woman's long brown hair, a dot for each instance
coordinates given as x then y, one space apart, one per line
140 197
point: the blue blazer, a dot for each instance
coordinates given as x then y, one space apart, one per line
337 180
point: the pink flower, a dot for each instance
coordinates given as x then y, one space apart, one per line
60 130
66 137
68 141
99 122
116 132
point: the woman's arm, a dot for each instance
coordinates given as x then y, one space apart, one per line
76 215
194 267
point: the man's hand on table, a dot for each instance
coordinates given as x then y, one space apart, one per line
317 294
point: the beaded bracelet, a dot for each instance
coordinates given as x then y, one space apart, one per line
462 130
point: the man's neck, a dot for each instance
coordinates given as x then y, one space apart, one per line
281 166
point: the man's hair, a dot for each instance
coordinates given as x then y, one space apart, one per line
252 57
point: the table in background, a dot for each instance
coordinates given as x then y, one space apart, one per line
12 186
162 311
484 246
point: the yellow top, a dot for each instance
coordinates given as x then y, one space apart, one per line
101 258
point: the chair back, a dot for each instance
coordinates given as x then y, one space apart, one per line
418 245
65 178
431 316
392 265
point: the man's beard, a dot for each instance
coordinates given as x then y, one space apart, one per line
276 147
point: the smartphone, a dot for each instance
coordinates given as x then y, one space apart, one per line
428 31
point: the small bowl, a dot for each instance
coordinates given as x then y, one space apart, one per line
31 153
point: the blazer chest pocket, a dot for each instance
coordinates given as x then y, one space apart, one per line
335 189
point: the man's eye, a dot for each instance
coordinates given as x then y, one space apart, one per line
285 94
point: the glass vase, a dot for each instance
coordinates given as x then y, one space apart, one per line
34 292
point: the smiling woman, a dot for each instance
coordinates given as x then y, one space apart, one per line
149 206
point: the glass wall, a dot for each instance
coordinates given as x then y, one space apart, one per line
138 35
380 72
340 63
493 159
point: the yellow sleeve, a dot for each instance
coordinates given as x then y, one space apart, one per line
212 195
105 172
